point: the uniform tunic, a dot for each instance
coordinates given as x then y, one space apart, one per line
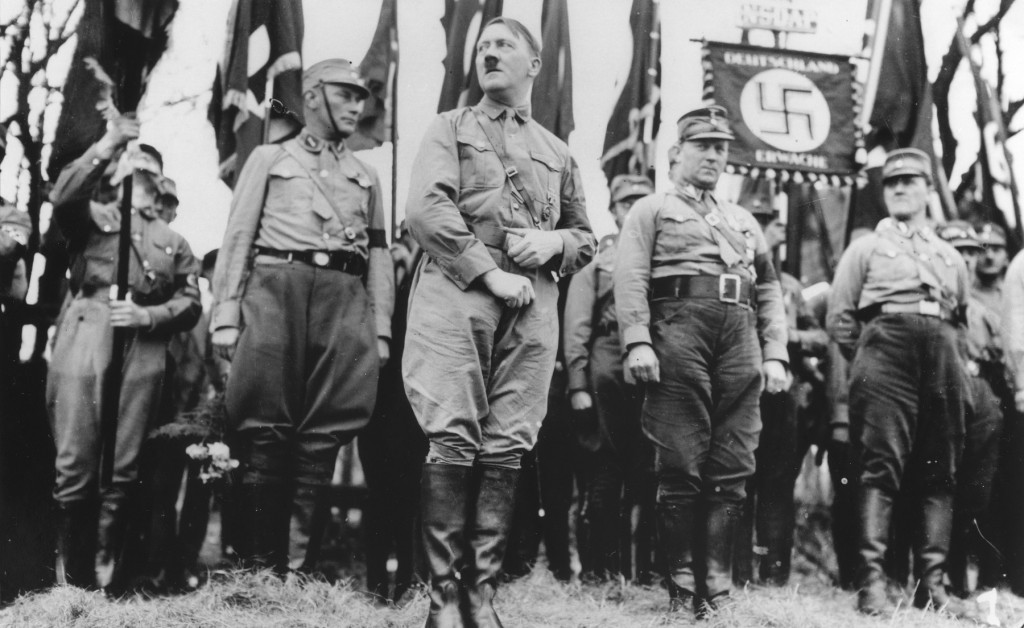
906 378
163 279
703 415
476 371
305 370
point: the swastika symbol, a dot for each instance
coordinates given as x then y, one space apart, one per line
785 110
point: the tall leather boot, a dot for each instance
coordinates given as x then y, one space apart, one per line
743 551
113 521
310 514
263 535
720 535
930 551
676 529
875 517
76 543
444 489
487 536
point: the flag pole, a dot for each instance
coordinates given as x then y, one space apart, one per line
268 107
394 131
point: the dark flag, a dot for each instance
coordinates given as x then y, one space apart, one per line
552 91
901 114
460 86
125 39
264 43
378 69
633 127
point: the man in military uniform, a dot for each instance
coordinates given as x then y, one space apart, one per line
167 201
786 434
975 530
497 205
988 274
593 353
304 286
700 312
164 299
897 297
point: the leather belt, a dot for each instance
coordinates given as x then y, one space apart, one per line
344 261
728 288
933 309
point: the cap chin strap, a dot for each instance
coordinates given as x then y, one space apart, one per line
330 112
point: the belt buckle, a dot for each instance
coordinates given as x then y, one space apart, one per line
321 258
729 288
929 308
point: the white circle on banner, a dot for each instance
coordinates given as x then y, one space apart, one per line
786 110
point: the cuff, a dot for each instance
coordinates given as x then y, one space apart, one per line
567 258
158 316
468 266
636 334
384 327
775 351
226 314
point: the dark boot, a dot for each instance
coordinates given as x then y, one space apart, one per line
743 552
262 541
676 529
310 514
76 543
443 492
875 516
930 553
487 536
113 521
720 534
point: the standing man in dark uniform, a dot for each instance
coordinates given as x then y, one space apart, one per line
497 205
164 300
304 287
987 284
593 353
700 312
894 307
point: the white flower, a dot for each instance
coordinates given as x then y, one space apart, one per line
219 451
197 452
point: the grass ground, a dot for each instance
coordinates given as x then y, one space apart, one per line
538 601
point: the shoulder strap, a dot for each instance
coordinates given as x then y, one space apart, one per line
721 225
319 186
510 170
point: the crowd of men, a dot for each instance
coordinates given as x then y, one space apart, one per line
502 369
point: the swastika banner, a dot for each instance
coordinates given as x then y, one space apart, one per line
791 111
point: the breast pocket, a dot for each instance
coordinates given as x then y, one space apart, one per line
289 187
549 173
479 166
889 265
679 232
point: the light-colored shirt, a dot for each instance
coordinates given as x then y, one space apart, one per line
665 235
1013 320
589 289
894 264
277 205
460 198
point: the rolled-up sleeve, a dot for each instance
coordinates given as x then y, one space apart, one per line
632 274
380 280
579 315
243 222
431 212
578 242
841 321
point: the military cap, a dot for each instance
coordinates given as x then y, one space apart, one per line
15 223
339 71
960 234
629 185
992 234
907 162
168 188
706 123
